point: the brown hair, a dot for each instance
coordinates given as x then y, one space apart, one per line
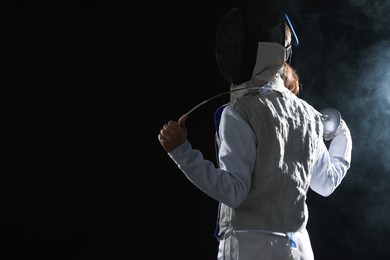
290 76
291 79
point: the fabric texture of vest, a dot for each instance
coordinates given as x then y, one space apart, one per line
288 132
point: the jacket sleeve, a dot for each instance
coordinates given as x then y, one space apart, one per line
332 164
229 183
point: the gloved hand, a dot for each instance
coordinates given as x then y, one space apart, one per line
330 136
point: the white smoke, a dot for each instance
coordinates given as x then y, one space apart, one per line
344 62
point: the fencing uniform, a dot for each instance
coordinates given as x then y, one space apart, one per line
278 153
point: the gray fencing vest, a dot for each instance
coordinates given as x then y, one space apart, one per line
288 132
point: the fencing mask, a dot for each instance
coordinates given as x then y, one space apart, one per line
240 31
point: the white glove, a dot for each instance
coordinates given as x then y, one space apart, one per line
330 136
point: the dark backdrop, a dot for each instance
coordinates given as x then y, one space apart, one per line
86 87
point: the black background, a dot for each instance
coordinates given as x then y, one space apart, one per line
86 87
